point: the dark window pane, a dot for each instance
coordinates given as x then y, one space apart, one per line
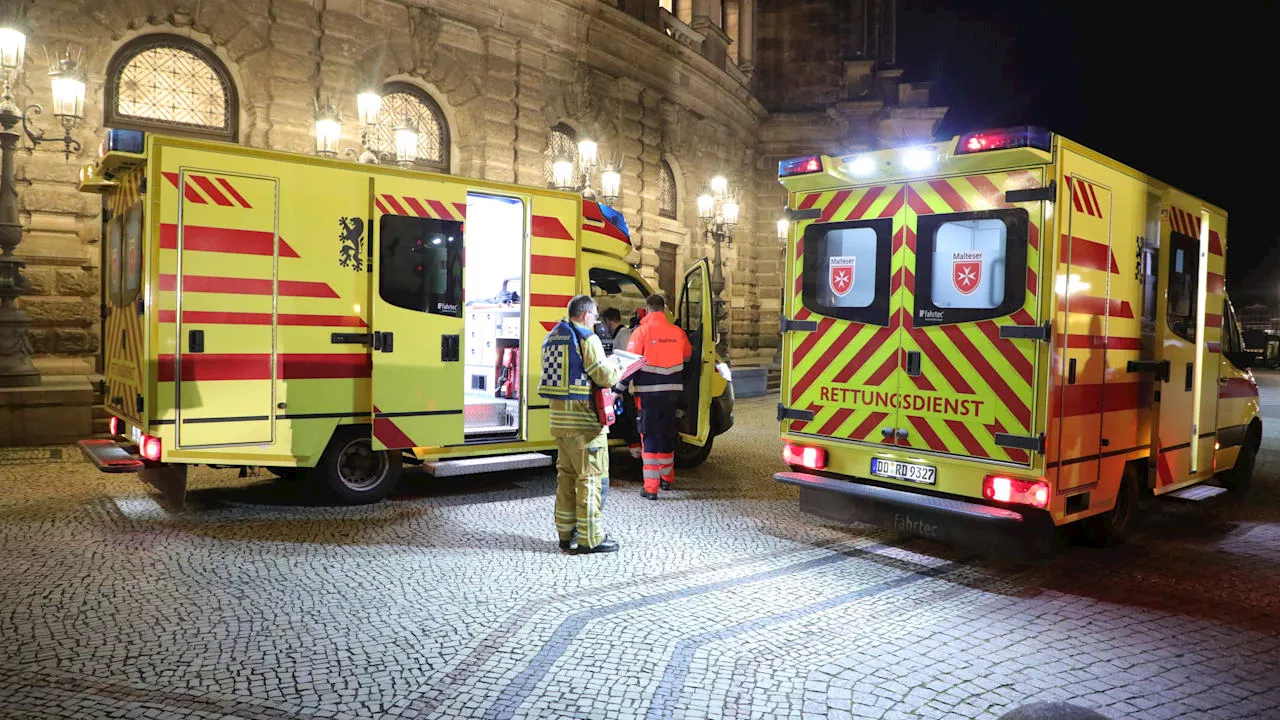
421 264
845 270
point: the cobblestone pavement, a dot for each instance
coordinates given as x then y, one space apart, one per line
453 601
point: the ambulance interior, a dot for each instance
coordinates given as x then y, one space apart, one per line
611 289
493 282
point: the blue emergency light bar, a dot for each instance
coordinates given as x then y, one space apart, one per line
130 141
1005 139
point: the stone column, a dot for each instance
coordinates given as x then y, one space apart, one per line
747 36
707 16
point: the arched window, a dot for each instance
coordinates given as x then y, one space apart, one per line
403 100
171 84
666 191
563 141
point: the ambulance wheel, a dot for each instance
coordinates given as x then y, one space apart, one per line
689 456
1115 525
353 472
1240 477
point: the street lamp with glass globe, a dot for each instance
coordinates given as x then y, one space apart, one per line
68 85
718 209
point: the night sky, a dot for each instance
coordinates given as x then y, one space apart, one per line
1183 91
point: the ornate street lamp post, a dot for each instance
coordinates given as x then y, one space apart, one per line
718 209
566 177
369 106
67 78
784 232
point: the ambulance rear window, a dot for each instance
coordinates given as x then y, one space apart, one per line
1184 280
131 255
970 266
845 270
115 237
421 264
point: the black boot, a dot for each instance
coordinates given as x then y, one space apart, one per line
606 545
648 495
664 484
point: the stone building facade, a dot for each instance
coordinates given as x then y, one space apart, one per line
682 89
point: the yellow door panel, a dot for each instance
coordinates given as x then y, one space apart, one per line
418 314
226 256
696 318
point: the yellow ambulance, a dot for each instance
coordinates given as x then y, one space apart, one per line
302 313
1004 333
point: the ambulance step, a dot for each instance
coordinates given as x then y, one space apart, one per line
471 466
108 456
1197 493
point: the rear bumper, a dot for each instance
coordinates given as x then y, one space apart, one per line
111 456
946 519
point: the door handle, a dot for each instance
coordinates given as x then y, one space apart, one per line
384 341
195 341
902 433
1071 371
886 432
1191 367
913 363
450 348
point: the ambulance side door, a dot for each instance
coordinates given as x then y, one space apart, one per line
417 319
1180 329
696 318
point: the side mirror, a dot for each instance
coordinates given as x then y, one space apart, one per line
1242 359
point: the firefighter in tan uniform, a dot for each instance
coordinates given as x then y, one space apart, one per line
573 360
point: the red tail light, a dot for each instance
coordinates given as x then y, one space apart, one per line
151 448
1004 139
114 426
800 166
1003 488
813 458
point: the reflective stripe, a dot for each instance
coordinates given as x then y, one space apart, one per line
652 474
654 370
665 387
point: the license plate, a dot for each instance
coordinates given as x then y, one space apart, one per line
135 434
911 472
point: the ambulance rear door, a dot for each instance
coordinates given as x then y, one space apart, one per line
417 299
971 325
841 320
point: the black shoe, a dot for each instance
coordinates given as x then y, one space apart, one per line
606 545
648 495
664 485
566 544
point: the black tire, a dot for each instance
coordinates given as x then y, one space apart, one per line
1114 526
352 472
1240 477
691 456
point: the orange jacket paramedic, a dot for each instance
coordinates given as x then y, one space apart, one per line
657 387
665 349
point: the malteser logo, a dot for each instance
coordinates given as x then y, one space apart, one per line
842 272
966 271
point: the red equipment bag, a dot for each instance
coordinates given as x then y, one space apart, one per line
509 380
604 401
